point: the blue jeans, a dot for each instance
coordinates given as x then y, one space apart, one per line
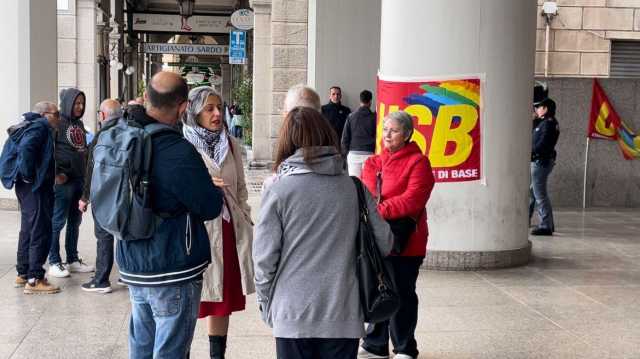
540 171
163 320
65 211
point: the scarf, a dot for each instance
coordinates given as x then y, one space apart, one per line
214 144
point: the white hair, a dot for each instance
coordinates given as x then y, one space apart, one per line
404 120
301 96
43 106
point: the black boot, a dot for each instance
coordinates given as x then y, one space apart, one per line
217 346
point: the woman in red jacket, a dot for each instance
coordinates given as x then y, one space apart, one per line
401 178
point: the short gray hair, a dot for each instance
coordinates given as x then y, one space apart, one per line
113 112
43 106
404 120
301 96
197 99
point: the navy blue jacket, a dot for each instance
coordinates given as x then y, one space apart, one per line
360 131
546 132
28 153
336 114
180 185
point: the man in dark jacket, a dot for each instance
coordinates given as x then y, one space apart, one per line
335 112
546 132
359 135
164 273
70 155
110 113
27 161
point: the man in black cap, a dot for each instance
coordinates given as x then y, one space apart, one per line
545 135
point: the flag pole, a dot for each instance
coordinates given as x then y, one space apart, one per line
584 183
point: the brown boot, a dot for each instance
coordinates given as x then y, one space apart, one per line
41 286
20 282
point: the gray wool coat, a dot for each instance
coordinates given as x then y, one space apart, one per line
304 250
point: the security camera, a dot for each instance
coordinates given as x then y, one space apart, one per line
550 8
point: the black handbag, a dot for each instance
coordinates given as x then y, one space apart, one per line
378 293
402 228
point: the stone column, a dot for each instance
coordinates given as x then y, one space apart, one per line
30 71
116 41
289 55
87 69
225 70
479 224
262 94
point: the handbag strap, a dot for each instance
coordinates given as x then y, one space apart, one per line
362 202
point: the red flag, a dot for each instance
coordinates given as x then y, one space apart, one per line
603 120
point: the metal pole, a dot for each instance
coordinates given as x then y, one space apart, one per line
584 183
546 51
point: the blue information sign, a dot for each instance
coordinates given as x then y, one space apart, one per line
237 47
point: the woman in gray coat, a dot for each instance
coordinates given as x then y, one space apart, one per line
304 249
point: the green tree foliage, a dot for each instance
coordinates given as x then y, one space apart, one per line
243 94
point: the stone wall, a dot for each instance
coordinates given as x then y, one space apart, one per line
581 34
280 61
77 54
344 47
288 55
611 180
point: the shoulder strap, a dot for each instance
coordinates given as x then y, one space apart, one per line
362 201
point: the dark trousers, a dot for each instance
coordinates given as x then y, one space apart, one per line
402 326
65 211
104 253
317 348
36 209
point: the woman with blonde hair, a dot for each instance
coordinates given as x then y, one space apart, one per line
229 278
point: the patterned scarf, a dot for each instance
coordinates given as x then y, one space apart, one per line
214 143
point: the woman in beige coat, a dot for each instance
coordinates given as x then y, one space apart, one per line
229 278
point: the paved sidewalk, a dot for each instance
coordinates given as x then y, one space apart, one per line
579 298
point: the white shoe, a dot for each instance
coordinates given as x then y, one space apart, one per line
58 270
364 354
403 356
80 267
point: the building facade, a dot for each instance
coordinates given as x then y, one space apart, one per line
592 39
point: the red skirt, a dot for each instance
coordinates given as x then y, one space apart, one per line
233 300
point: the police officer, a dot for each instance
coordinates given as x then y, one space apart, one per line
543 156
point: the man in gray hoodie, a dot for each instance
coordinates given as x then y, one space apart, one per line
70 156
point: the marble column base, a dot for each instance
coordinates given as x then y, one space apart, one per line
468 261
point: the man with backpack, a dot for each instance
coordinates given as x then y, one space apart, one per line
164 271
110 113
27 162
70 155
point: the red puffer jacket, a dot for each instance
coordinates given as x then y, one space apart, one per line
407 182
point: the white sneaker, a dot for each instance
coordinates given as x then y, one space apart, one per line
364 354
80 267
403 356
58 270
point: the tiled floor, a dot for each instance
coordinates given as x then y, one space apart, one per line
578 298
